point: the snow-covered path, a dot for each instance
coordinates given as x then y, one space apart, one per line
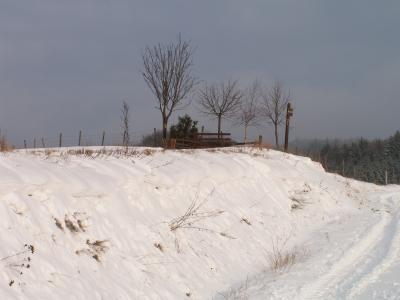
365 261
352 258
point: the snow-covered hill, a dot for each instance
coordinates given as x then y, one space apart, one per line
203 224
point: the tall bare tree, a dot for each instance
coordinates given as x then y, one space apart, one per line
220 100
167 71
249 107
125 124
273 107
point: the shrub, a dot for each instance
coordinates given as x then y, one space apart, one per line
185 127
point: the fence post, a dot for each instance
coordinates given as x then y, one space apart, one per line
155 137
25 144
342 167
43 144
386 177
80 138
102 139
60 140
393 177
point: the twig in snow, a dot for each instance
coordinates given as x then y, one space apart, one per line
193 215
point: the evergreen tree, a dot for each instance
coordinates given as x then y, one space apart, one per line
185 127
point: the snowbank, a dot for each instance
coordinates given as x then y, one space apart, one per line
159 224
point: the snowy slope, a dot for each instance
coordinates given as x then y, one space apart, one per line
191 225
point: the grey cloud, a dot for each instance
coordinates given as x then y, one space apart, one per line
67 65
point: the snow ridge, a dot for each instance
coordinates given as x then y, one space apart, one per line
101 224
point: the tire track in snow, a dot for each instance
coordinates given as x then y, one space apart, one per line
392 257
368 258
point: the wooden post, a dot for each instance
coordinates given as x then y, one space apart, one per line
289 113
172 144
25 144
43 144
260 141
342 167
80 137
386 177
60 140
155 137
393 177
34 143
102 139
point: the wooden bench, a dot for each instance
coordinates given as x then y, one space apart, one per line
201 140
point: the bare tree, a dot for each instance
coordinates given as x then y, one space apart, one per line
220 100
249 107
125 124
274 107
167 72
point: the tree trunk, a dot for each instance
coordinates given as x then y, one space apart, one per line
219 125
276 137
245 134
165 128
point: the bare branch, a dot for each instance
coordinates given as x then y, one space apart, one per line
220 100
274 107
125 124
167 72
248 114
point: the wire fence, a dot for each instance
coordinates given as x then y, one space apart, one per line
82 138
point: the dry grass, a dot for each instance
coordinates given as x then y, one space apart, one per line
58 224
95 249
280 258
75 223
159 246
245 220
124 152
117 152
298 202
193 214
70 225
252 150
18 263
4 145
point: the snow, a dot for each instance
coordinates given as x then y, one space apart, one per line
101 225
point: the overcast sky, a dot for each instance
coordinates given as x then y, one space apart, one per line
68 65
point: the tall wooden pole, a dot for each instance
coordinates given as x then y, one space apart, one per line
155 137
102 139
80 138
289 113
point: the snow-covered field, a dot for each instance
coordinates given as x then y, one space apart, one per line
192 225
